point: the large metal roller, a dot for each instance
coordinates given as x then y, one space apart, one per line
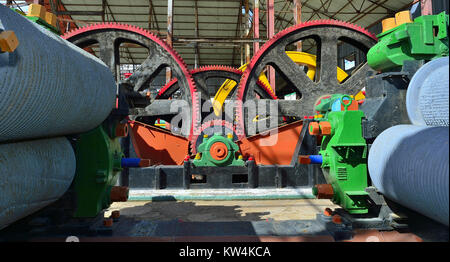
409 165
48 86
33 174
428 94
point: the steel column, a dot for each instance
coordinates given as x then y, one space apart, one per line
247 32
256 26
169 34
270 34
298 18
426 7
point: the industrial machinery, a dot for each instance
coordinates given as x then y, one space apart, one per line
58 103
92 138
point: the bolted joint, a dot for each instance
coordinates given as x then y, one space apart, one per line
119 194
121 130
323 191
314 129
325 128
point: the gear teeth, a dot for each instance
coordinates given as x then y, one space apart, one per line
267 89
246 74
167 86
216 68
154 38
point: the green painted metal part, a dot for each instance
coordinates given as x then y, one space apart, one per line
326 102
204 157
424 39
344 154
98 167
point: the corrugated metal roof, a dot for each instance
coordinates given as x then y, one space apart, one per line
220 19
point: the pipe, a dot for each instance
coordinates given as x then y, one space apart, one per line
49 87
316 159
409 165
135 162
33 174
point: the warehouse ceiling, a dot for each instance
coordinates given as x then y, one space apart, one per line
218 27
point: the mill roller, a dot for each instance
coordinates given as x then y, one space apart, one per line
409 162
49 89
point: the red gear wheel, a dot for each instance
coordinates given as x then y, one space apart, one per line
140 31
273 41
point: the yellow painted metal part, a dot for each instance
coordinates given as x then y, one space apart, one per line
359 96
388 23
36 10
8 41
403 17
50 19
300 58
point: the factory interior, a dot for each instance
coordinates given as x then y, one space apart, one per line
224 121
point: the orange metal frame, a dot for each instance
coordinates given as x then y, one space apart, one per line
279 153
159 145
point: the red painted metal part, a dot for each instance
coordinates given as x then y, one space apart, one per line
174 81
216 68
167 86
137 30
279 153
256 26
230 69
160 42
159 145
270 33
272 41
426 7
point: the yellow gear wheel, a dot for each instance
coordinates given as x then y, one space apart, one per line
300 58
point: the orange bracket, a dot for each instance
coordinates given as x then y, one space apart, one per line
279 151
159 145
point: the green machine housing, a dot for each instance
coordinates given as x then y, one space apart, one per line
218 150
343 153
98 154
424 39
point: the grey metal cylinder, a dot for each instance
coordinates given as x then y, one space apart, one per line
33 174
410 165
48 86
428 94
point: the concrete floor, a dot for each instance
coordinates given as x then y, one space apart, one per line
219 211
230 220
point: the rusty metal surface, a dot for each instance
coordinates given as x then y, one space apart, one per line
158 145
279 153
49 87
33 174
